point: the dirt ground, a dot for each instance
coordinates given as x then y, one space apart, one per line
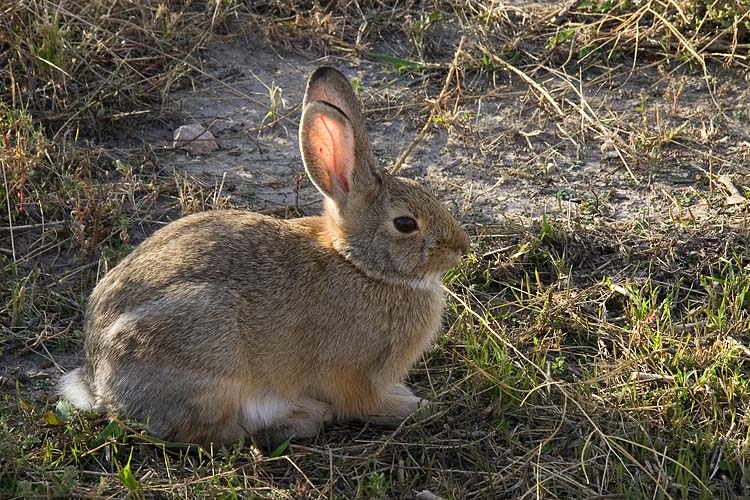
500 157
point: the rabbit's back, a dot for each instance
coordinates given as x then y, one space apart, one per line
185 290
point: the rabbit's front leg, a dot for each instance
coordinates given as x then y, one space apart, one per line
397 404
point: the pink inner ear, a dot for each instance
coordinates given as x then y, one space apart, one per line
335 149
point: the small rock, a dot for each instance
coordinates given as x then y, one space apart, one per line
195 139
736 199
427 495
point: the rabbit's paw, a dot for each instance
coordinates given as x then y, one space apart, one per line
397 404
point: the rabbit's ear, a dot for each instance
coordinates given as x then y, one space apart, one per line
326 139
333 139
329 85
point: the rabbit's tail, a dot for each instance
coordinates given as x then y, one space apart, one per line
75 389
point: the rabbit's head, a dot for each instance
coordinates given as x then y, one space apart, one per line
389 227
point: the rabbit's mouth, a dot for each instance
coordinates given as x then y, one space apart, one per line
446 260
456 258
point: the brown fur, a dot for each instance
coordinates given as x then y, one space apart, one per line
325 314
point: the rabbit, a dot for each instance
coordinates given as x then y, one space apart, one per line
230 324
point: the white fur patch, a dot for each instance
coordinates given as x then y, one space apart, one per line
122 321
152 308
75 390
261 412
430 283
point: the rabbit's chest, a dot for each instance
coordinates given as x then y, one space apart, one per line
415 330
434 304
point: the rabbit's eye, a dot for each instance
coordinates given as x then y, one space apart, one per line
405 224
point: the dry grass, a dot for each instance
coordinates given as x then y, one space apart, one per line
581 358
81 65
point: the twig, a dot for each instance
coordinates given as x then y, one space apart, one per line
453 69
12 228
10 215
